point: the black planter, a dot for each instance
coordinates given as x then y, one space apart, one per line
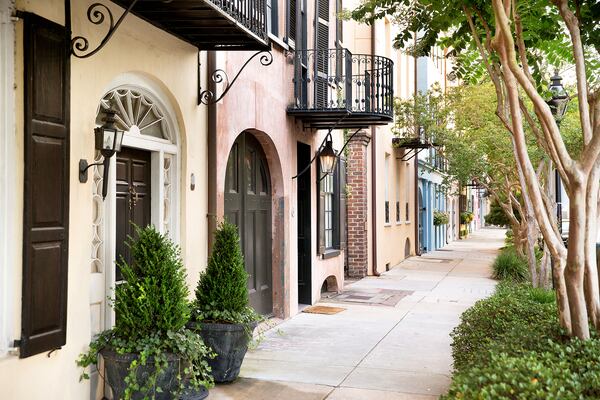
116 369
230 343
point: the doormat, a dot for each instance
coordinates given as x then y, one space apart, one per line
323 310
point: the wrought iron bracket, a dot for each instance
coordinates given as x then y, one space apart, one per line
412 153
97 13
218 76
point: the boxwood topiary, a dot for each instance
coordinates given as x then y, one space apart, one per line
222 291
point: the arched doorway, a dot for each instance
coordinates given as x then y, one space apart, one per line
248 205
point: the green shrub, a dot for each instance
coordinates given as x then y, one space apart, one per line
509 237
561 371
152 309
511 320
510 266
154 296
510 346
222 291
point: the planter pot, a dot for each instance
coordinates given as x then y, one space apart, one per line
230 343
116 369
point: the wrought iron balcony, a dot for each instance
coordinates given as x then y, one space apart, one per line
337 89
208 24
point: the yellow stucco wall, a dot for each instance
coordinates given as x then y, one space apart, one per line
166 64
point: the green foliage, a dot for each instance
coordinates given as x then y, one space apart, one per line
510 346
152 309
440 218
154 296
466 217
510 266
497 216
509 237
222 291
513 320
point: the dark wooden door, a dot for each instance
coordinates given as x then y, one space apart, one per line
304 225
248 205
133 198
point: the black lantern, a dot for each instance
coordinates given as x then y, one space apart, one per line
108 141
560 98
327 157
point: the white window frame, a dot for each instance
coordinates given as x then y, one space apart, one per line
8 163
386 170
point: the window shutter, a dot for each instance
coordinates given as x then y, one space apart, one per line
341 194
292 19
322 58
320 214
46 189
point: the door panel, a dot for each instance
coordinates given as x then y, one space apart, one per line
304 226
248 205
133 198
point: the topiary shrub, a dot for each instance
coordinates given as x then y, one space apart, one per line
510 266
154 296
222 291
466 217
152 310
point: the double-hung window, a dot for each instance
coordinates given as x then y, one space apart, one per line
331 211
328 193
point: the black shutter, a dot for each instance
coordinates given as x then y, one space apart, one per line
46 189
341 194
320 213
292 18
322 58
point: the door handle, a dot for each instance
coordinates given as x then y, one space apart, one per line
133 197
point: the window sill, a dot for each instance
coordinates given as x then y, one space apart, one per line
330 253
387 224
398 222
280 43
407 222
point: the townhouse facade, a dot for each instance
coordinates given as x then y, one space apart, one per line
224 107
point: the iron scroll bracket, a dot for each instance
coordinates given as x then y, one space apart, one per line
97 13
208 97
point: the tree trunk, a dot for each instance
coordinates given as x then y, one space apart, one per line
545 268
575 269
562 298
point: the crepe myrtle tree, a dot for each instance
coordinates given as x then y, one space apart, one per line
467 133
513 43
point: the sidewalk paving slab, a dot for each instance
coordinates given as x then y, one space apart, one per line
375 351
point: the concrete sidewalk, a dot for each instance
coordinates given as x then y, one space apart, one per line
390 343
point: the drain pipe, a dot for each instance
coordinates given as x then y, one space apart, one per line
374 175
212 154
417 205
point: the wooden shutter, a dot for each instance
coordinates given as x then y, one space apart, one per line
322 59
46 188
320 213
341 203
292 18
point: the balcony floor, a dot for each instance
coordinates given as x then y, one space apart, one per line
338 118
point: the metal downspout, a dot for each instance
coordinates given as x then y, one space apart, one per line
212 154
374 176
417 205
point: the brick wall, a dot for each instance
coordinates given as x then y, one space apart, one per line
356 180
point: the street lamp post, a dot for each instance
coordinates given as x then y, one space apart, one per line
558 106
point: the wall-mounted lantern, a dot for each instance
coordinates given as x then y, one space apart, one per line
108 141
327 158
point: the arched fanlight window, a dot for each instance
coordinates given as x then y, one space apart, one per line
136 114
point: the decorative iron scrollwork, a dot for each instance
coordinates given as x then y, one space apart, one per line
97 13
219 76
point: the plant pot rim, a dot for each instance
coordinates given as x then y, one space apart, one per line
109 352
225 326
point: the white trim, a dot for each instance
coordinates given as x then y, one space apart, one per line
160 149
7 177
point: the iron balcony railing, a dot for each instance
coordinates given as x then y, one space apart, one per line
251 14
337 80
